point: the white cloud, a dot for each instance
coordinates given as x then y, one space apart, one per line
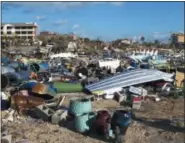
181 31
60 22
76 26
74 32
40 17
57 5
135 38
112 3
33 4
158 35
67 4
117 3
84 35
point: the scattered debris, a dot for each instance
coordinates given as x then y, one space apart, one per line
6 139
136 103
32 86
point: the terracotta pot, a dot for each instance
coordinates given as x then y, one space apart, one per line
20 102
102 123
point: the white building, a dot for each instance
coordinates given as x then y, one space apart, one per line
20 30
71 46
127 41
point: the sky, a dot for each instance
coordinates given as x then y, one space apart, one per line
104 20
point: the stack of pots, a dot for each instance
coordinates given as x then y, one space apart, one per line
81 109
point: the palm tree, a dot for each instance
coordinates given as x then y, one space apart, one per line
142 39
4 38
16 41
156 42
31 42
86 40
13 40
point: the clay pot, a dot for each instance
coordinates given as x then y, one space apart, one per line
21 102
102 123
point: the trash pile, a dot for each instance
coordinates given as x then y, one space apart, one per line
31 87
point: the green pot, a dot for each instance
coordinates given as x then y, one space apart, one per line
83 122
80 106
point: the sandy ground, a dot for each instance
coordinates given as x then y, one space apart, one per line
150 126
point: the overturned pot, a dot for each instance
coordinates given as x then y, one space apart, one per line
15 79
34 67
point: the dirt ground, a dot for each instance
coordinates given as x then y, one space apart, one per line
151 125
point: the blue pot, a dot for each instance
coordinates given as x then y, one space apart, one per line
5 105
121 118
5 60
7 69
29 85
145 66
39 67
134 64
17 78
44 66
24 75
14 64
